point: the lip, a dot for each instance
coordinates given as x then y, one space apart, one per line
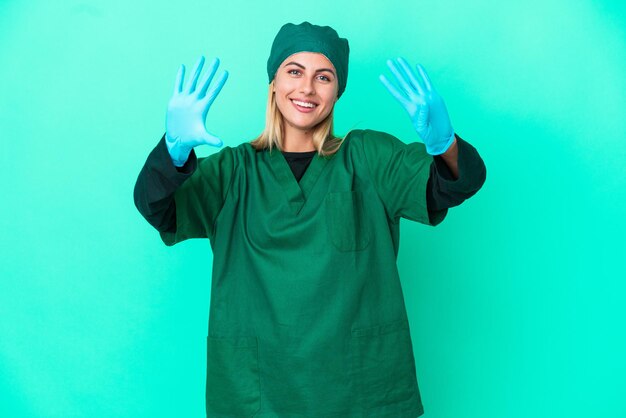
303 109
303 100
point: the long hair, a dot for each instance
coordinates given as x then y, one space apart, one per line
324 140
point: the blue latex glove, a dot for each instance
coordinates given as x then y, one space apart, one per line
187 110
424 105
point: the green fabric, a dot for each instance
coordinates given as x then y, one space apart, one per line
292 38
307 316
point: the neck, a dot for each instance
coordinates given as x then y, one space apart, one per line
296 140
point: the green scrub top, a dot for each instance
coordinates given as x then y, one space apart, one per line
307 315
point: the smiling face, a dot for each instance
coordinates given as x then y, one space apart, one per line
307 77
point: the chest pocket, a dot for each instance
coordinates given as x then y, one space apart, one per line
345 220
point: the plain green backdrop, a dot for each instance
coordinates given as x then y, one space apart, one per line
516 301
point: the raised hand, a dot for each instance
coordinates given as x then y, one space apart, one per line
187 110
424 105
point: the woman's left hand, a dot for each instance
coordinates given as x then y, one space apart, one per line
424 105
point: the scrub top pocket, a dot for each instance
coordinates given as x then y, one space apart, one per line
384 369
232 383
345 220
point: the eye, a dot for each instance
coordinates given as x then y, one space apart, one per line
290 71
327 79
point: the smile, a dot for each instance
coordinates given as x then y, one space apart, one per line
304 107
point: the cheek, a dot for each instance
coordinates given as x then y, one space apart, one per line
284 84
330 92
282 103
329 98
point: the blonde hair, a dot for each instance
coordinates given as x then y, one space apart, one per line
324 140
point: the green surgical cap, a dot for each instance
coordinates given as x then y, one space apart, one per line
307 37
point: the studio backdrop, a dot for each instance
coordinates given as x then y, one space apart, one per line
515 301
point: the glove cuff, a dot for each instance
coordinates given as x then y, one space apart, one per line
178 152
440 148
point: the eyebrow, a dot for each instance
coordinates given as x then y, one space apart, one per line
304 68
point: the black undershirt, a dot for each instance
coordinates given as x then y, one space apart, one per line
299 162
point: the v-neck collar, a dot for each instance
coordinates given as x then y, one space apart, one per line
297 193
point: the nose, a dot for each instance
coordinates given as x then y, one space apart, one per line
307 87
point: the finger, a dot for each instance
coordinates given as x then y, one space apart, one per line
196 69
216 88
394 92
207 78
400 76
411 75
425 77
178 84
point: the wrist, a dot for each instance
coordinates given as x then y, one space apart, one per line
442 147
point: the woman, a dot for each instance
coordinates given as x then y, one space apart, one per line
307 316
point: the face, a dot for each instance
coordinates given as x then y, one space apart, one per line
305 77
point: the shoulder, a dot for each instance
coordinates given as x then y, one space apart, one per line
228 152
373 138
221 160
232 157
374 142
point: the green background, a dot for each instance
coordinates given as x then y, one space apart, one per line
516 301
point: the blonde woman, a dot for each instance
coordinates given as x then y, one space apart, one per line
307 316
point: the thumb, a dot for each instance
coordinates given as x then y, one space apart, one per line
210 139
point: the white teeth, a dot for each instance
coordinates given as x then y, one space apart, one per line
303 104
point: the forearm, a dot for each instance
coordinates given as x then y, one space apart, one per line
156 184
444 190
451 158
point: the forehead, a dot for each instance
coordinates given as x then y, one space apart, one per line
309 59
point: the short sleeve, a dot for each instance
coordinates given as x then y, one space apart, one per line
400 173
199 200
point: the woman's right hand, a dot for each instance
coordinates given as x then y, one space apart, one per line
187 110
